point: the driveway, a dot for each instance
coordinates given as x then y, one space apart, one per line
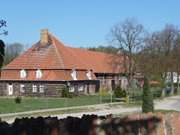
170 103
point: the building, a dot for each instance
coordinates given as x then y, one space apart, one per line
49 65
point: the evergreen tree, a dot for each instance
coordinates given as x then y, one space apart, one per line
147 105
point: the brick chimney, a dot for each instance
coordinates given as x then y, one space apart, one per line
44 37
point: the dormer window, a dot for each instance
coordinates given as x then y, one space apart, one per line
73 74
38 74
23 74
88 74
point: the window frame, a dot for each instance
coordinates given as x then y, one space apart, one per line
22 88
34 88
72 89
74 74
23 74
41 88
82 88
39 74
89 75
8 89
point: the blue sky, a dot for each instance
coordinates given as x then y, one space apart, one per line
82 23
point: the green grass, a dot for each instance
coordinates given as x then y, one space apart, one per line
8 105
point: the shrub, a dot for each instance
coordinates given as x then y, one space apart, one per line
118 92
157 92
66 93
147 105
18 100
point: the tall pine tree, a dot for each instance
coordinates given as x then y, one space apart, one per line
147 105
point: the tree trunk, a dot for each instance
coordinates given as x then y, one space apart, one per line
163 84
172 84
178 82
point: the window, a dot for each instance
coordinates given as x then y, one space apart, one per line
73 74
38 74
34 88
88 74
71 89
41 88
10 89
23 74
22 88
80 88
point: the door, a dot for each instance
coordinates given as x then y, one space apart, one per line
113 84
10 89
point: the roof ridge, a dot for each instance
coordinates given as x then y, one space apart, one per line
56 50
86 49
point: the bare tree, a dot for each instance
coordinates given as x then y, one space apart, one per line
176 59
157 57
128 36
12 51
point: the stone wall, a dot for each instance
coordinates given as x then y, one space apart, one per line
138 124
90 125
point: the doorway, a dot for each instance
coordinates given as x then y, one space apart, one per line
10 89
113 84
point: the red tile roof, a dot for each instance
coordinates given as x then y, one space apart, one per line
58 56
55 55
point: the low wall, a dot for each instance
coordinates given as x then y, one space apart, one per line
147 124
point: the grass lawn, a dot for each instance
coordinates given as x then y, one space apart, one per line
7 105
